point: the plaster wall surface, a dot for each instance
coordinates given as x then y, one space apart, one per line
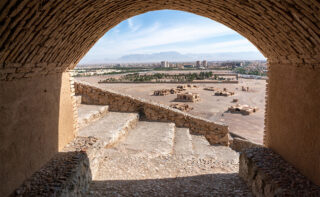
36 121
293 116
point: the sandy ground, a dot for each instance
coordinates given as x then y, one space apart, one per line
211 107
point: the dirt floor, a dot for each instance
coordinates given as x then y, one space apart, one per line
210 107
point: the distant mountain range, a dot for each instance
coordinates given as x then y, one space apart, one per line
176 57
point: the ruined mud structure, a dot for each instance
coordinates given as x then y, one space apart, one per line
245 89
164 92
180 88
42 40
182 107
211 89
188 97
187 86
218 92
223 93
242 109
192 86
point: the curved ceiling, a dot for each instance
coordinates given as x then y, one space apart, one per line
51 35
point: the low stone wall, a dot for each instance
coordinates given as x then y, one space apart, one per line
240 144
93 148
215 133
268 174
160 82
67 174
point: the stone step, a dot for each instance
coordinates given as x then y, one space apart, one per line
111 128
221 154
183 142
78 99
90 113
201 146
150 138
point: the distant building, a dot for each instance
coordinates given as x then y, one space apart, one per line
198 64
204 63
188 66
179 65
187 97
165 64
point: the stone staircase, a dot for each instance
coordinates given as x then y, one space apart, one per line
90 113
118 154
143 158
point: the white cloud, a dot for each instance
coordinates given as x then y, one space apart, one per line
133 27
239 45
158 35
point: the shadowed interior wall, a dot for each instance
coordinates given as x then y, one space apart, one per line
36 120
293 122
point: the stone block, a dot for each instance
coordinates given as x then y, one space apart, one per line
66 174
267 174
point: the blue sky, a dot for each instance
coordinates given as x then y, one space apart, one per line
167 30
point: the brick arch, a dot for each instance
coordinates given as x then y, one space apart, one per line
50 36
42 37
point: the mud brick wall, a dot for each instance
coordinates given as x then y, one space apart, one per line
215 133
293 116
37 121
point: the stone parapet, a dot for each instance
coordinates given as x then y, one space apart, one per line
269 175
240 144
214 132
67 174
93 148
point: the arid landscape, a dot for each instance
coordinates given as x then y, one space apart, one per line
211 107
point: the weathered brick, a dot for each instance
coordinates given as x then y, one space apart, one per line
284 31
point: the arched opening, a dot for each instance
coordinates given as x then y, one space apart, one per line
142 139
40 40
148 48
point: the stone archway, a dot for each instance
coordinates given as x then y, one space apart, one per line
40 40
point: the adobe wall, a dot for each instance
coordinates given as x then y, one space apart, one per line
293 116
215 133
36 121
